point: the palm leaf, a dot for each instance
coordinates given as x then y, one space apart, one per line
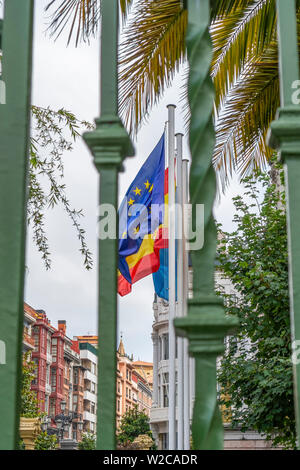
151 52
238 38
244 120
82 15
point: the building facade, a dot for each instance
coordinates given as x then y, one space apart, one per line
29 321
59 372
89 361
67 370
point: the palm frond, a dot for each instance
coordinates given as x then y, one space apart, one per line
244 120
125 6
223 8
151 52
239 38
82 15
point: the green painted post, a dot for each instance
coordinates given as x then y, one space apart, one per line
1 29
285 137
206 324
110 144
14 134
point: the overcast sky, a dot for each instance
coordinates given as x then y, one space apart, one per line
69 78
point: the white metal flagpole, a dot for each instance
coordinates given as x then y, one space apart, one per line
179 230
172 278
186 361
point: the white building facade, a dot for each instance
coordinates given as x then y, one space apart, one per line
89 360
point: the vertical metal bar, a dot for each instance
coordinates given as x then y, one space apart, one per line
206 323
172 279
110 144
285 137
186 359
179 313
288 49
14 140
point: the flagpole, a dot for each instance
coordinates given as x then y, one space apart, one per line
172 278
186 360
179 227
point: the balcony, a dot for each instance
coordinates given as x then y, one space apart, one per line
89 376
87 395
158 415
87 416
28 341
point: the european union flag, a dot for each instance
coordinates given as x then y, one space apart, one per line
138 225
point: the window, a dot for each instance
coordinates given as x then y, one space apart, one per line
53 379
48 374
36 369
165 342
48 343
165 389
93 407
59 381
54 349
75 377
160 348
52 407
164 441
36 338
43 341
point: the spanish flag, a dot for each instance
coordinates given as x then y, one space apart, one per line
141 222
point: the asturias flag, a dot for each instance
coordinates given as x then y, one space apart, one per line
139 229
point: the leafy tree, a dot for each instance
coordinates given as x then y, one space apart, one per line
88 441
256 371
46 442
53 134
244 67
133 424
29 402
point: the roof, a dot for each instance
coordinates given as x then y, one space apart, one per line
29 310
91 339
88 347
143 363
121 349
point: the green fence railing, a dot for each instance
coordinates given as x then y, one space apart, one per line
14 140
285 137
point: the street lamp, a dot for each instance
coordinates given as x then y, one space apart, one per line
45 423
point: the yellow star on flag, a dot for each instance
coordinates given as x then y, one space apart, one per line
130 202
137 191
136 230
147 184
150 190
